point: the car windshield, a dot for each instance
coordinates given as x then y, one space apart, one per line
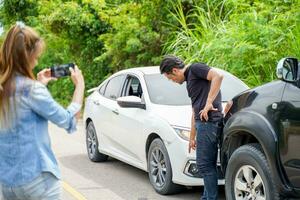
164 92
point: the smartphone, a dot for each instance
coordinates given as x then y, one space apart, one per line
61 70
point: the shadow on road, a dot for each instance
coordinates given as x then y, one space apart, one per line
123 179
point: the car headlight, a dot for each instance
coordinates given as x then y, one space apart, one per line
184 133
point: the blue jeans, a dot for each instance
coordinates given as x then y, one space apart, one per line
44 187
206 157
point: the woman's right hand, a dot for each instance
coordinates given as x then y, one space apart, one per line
78 81
77 77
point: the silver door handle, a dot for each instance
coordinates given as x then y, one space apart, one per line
116 111
96 102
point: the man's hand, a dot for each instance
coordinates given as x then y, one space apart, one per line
192 145
44 76
203 113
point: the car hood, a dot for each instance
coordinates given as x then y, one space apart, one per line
175 115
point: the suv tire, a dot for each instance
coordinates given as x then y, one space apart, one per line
248 175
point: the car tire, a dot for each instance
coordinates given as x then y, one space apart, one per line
92 144
160 170
248 173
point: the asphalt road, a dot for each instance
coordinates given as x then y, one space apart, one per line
112 180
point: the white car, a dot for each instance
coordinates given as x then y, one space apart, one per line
141 118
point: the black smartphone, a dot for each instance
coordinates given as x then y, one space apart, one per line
61 70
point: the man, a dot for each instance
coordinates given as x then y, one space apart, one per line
203 86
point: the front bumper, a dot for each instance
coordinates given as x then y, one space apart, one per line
184 164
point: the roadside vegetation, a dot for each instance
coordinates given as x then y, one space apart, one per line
245 37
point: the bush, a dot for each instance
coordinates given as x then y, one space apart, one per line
245 38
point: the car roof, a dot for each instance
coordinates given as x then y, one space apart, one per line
144 70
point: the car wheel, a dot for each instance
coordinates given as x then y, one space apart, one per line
160 170
92 144
248 175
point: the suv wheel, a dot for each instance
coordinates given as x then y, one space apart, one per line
92 144
248 175
160 170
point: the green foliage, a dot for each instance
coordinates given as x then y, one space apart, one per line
137 34
17 10
99 36
78 26
245 38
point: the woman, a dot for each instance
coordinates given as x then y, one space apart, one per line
28 168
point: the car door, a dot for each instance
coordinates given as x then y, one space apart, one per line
129 123
106 109
290 127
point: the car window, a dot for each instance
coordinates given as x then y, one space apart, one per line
113 87
165 92
133 87
102 88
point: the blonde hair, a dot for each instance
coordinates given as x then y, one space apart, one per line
17 56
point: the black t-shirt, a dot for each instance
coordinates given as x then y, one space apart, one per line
198 88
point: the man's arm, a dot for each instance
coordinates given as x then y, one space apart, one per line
192 142
216 79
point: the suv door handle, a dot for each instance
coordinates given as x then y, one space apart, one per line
96 102
116 111
274 106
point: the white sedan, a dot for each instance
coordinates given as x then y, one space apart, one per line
139 117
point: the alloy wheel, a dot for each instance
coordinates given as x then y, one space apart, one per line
248 184
158 167
91 141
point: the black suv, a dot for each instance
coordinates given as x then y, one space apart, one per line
260 150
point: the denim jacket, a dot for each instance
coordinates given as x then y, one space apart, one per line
25 147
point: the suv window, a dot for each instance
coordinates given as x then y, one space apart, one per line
113 87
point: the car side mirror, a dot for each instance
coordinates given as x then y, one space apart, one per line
287 69
131 102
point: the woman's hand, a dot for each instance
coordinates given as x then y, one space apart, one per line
44 76
78 81
76 76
